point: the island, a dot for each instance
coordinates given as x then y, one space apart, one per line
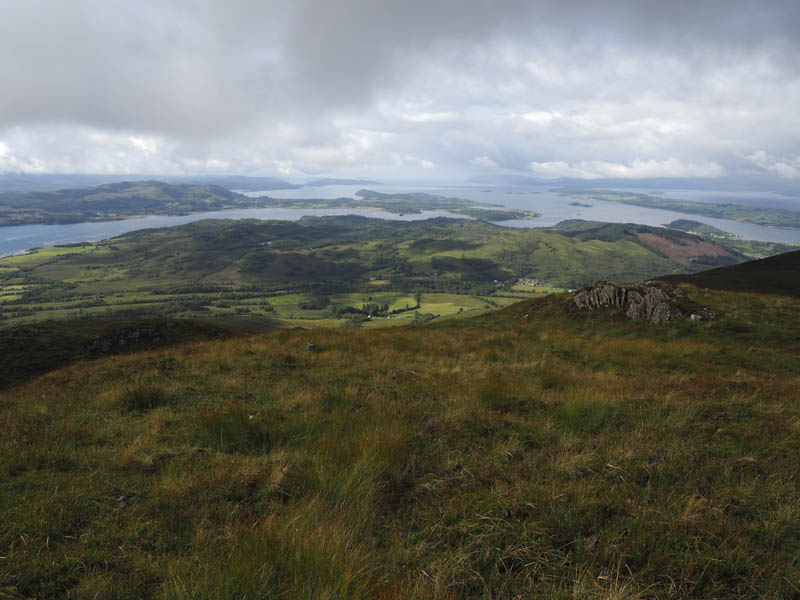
130 199
769 217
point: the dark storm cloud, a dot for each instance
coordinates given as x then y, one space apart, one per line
307 85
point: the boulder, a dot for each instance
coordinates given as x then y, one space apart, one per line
705 314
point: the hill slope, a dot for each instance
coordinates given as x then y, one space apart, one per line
538 451
774 275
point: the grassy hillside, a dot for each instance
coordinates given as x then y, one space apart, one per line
775 275
318 269
29 351
536 451
751 248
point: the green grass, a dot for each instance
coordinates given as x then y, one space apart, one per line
143 396
535 451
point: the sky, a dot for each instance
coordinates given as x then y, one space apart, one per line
402 89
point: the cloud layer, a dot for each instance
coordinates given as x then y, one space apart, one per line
637 88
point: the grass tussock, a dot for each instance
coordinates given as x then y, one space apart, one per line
142 396
232 428
548 457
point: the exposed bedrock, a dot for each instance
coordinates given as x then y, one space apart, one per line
639 302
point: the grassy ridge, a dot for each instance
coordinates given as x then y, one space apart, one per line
533 452
775 275
29 351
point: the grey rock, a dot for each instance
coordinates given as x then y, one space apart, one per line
705 314
638 302
128 335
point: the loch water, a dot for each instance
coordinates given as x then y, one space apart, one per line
550 204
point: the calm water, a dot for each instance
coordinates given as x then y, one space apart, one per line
23 237
553 208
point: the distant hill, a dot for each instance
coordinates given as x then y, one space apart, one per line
333 181
711 184
235 182
116 200
774 275
25 182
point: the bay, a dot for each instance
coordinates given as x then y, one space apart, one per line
552 207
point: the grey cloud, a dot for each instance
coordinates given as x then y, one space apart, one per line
310 85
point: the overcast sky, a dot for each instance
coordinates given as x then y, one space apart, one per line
401 89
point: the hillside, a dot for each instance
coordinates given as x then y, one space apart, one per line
30 351
751 248
536 451
325 270
774 275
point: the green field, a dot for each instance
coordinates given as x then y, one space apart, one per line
323 271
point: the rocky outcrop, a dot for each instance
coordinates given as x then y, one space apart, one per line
645 302
128 335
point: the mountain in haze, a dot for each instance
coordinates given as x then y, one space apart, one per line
333 181
25 182
21 182
728 184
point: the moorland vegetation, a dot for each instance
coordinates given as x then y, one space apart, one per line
534 451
